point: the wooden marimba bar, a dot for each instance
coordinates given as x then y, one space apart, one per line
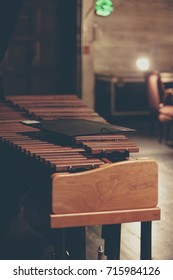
54 107
78 199
62 107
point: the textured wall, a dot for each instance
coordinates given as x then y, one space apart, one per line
135 28
87 52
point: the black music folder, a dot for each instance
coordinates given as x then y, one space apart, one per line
76 127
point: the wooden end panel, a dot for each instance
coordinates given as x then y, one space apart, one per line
118 186
100 218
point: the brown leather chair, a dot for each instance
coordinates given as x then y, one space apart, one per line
159 100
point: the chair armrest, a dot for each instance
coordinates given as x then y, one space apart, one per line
168 96
166 110
169 91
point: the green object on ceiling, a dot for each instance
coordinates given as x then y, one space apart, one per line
103 7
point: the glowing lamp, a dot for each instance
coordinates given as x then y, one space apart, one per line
143 63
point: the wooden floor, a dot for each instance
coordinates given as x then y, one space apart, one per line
162 231
21 242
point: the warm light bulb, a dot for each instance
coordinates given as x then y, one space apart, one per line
143 63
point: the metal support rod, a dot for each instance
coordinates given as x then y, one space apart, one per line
112 236
100 252
146 237
59 244
76 243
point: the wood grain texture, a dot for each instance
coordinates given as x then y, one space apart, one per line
118 186
109 217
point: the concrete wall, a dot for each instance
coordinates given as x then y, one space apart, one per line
135 28
88 8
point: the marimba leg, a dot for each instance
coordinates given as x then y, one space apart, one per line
76 243
112 236
59 244
69 243
146 236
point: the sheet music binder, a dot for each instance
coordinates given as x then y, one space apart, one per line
77 127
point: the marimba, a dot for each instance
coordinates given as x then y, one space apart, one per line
65 186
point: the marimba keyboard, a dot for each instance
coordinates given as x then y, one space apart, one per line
91 180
